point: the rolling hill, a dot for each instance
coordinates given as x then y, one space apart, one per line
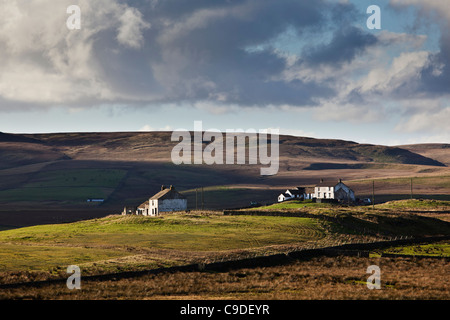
47 178
437 151
157 146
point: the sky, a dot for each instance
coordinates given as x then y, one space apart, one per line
306 68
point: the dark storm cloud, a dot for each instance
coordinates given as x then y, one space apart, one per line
435 78
346 44
173 51
199 49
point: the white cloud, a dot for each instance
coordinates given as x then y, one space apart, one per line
417 105
160 54
405 39
295 132
131 28
147 128
367 85
45 63
337 111
427 122
216 108
434 138
403 69
439 7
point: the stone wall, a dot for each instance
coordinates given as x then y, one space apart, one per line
172 205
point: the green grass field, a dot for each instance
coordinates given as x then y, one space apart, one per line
408 204
416 204
403 217
115 243
441 249
63 194
106 178
69 186
119 236
294 204
37 258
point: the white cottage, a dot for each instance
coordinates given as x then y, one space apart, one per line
290 194
167 200
333 190
301 193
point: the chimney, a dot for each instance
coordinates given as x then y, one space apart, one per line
162 188
171 187
321 180
340 180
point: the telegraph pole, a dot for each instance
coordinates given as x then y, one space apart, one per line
202 198
373 194
411 188
196 199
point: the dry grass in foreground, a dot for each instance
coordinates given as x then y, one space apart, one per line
319 278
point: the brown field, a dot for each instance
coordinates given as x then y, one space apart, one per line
321 278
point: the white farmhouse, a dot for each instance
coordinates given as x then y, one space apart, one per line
167 200
333 190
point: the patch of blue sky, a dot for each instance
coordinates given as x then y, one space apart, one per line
293 42
403 19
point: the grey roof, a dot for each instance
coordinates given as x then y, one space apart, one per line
295 191
143 205
169 193
309 189
327 184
